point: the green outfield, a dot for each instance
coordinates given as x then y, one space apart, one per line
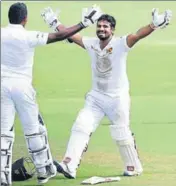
62 77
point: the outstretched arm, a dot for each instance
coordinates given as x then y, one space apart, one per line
76 38
64 33
158 21
89 17
141 33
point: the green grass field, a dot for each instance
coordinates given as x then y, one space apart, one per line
62 77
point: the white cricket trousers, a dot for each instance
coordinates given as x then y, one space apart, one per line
97 106
18 96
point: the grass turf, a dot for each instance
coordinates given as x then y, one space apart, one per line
62 77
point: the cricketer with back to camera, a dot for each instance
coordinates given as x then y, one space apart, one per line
17 93
109 94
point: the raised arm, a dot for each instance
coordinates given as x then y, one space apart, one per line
76 38
89 17
141 33
158 21
64 33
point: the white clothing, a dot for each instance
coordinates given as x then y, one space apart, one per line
109 75
17 55
17 51
95 108
109 97
17 94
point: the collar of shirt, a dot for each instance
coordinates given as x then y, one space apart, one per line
15 26
109 45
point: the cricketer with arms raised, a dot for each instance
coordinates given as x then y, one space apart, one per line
109 95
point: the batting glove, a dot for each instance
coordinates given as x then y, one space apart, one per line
90 15
160 20
50 18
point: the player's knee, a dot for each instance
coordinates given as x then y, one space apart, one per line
34 129
38 147
84 122
7 137
121 133
125 142
36 137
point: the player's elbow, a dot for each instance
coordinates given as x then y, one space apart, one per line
62 35
132 39
136 37
58 36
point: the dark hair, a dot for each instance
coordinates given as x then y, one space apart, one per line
17 13
108 18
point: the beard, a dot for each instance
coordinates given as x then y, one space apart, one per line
102 36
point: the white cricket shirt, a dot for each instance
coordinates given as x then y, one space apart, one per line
109 74
17 51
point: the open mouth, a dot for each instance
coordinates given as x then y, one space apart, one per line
101 33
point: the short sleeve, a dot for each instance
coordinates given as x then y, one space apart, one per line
36 38
124 43
88 42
